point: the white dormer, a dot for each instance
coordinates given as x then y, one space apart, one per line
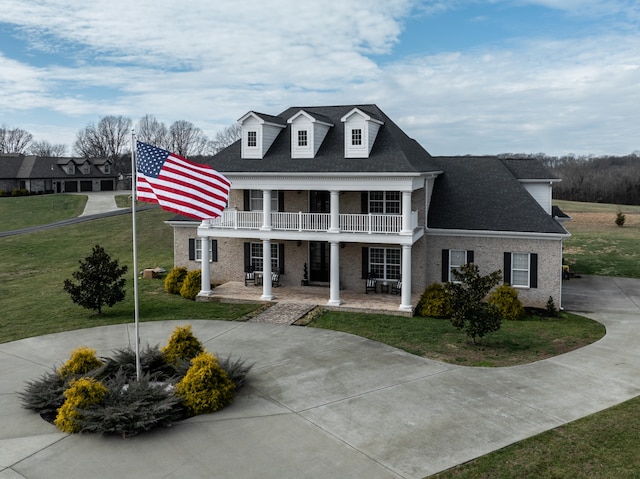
360 131
541 190
307 134
259 131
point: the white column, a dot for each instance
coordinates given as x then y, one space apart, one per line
406 213
205 276
334 275
335 212
405 300
266 210
267 291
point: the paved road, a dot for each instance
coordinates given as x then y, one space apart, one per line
322 404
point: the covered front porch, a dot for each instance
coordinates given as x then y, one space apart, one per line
352 300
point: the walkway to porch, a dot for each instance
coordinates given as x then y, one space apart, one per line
357 301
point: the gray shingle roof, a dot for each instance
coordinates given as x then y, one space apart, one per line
393 151
482 193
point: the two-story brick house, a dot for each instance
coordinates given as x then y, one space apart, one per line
343 192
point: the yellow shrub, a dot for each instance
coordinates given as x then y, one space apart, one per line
182 345
191 285
174 279
506 299
82 361
206 387
435 302
81 394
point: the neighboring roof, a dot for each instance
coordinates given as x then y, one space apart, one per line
556 212
392 152
37 167
10 165
482 193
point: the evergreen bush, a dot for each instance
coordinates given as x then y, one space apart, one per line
175 278
182 345
435 302
191 284
551 309
81 394
620 219
505 298
205 388
44 395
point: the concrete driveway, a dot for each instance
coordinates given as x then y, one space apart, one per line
322 404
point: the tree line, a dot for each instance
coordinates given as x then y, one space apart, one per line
594 179
110 138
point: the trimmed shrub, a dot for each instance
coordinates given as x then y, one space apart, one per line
175 278
45 395
81 394
182 345
505 298
191 284
82 361
205 388
435 302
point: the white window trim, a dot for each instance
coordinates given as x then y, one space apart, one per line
275 256
456 266
255 196
198 250
252 135
385 264
527 270
386 202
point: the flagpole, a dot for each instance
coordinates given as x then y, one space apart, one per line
134 197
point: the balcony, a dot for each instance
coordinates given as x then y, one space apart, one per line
313 222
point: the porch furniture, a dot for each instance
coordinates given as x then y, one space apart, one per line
275 279
396 287
371 285
384 287
249 277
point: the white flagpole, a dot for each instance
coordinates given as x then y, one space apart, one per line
134 197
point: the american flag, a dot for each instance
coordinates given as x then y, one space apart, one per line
179 185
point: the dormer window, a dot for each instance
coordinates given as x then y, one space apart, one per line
356 137
252 139
303 139
71 169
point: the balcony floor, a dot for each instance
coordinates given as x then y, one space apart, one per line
356 301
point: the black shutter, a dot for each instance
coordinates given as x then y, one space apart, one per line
247 201
247 257
281 203
506 272
533 271
364 203
365 262
470 258
445 265
214 250
192 249
281 256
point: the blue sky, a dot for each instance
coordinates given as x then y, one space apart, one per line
459 76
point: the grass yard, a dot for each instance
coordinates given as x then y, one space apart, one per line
25 211
597 245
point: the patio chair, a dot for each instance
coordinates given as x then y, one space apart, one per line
371 285
275 279
250 276
396 288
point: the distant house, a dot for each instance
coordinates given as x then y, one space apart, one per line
55 175
343 192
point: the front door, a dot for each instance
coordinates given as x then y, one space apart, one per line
319 259
319 250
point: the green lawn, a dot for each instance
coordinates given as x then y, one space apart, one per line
25 211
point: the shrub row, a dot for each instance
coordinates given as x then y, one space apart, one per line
183 282
91 394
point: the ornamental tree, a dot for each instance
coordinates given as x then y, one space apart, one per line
471 312
100 281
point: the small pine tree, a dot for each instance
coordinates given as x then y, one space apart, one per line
620 219
551 309
100 281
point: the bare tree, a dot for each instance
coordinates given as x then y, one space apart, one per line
108 139
14 140
44 148
187 139
224 138
153 132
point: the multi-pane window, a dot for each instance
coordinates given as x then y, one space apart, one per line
252 138
384 263
302 138
520 267
256 257
256 200
198 250
356 137
384 202
457 259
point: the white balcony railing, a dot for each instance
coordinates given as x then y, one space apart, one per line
314 222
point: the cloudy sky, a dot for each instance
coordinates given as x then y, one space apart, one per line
460 76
